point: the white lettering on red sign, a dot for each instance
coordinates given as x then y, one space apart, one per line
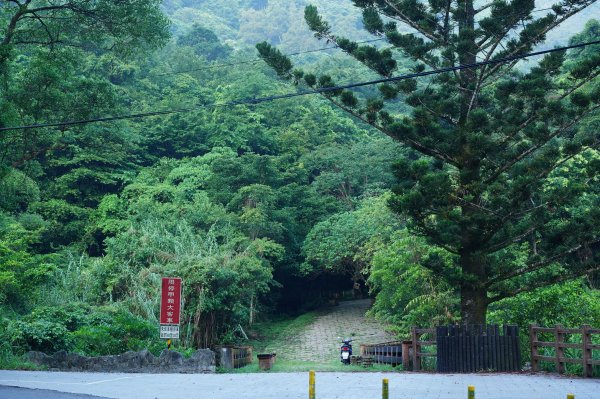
170 307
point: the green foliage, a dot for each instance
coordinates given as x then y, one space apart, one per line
340 244
205 43
21 270
571 304
92 331
115 332
64 223
409 294
18 191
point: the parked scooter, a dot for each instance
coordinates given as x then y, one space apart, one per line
346 350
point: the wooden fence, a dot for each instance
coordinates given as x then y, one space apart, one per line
559 343
234 357
468 349
417 353
384 353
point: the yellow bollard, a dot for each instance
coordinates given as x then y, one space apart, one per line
311 384
385 394
471 390
570 396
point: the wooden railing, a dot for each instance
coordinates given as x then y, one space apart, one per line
383 353
417 345
234 357
559 337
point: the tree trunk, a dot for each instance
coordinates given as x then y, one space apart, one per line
473 304
473 294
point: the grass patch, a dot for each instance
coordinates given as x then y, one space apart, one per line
275 334
10 361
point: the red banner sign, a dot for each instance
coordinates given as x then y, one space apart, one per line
170 304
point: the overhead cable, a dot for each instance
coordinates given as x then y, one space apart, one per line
256 60
253 101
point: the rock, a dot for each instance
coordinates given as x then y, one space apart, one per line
201 361
170 358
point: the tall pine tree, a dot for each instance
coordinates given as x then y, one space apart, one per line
507 169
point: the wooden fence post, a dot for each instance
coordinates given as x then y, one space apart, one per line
559 352
586 340
533 337
415 354
406 355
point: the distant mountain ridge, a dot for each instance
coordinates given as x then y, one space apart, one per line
243 23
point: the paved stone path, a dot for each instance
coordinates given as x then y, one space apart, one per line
319 341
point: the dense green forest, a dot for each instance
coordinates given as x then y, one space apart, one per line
273 208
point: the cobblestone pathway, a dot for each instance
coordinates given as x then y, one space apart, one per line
319 341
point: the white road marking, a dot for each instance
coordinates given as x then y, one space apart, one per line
67 383
111 380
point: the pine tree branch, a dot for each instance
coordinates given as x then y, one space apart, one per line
558 164
531 150
479 83
537 37
402 17
447 118
335 39
536 116
485 7
434 234
480 207
555 280
510 241
538 265
514 214
433 152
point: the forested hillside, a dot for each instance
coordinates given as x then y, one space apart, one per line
262 209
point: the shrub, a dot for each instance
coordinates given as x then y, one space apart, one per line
115 331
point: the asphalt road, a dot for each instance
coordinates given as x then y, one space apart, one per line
295 385
26 393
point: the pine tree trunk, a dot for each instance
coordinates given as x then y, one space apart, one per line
473 295
473 304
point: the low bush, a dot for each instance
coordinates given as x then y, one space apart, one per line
90 331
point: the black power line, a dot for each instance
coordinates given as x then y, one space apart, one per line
252 101
255 60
